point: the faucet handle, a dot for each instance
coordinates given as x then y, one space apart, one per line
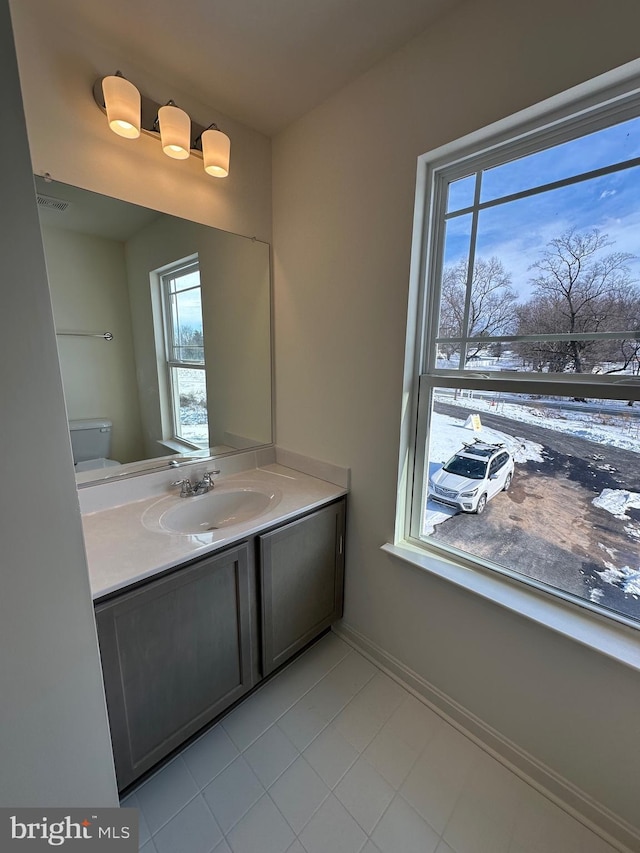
208 477
186 489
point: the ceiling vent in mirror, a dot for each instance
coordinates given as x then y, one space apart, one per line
52 203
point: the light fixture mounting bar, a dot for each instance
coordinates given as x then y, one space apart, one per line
148 117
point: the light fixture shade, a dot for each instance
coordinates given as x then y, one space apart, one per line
216 147
175 132
122 102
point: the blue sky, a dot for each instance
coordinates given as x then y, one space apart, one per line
517 232
189 305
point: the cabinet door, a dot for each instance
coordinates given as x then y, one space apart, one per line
175 653
302 575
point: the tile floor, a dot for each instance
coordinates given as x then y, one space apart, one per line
332 756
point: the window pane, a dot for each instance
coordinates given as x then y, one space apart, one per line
184 281
604 148
190 390
461 193
188 335
521 233
457 240
614 357
562 508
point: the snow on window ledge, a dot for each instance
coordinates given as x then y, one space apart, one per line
598 632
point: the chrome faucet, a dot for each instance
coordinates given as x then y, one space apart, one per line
206 482
200 487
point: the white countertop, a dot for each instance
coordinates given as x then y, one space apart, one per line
123 547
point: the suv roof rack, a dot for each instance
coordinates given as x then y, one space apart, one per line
476 441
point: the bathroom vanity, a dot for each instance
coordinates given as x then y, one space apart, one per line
192 616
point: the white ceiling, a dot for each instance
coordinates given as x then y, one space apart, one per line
262 62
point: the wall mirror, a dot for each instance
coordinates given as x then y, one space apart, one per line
188 369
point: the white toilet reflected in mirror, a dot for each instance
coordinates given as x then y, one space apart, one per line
91 444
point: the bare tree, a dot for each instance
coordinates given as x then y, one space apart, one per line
540 316
578 288
491 305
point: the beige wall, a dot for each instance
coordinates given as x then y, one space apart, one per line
54 737
238 347
88 281
344 183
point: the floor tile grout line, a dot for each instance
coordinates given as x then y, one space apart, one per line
282 772
266 792
330 791
199 792
181 809
341 709
336 715
306 692
297 833
286 711
222 769
246 812
350 651
418 755
190 800
152 777
335 785
463 787
153 834
300 754
478 741
408 804
418 752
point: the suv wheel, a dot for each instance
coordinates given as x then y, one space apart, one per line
507 483
481 504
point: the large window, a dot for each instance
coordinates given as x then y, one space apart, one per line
184 349
526 460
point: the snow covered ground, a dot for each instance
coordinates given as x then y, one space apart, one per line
618 502
617 429
193 412
611 425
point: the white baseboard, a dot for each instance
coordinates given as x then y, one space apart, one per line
605 823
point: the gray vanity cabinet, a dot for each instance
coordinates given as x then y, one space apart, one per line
176 652
302 579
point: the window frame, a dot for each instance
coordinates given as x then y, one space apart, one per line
570 115
168 274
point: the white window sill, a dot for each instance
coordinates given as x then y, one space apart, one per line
607 636
178 446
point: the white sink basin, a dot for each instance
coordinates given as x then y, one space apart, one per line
219 508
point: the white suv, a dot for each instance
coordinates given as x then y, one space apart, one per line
474 475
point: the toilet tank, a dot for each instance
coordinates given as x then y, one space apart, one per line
90 439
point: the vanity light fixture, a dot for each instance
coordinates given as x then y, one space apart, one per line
122 104
215 146
130 113
175 131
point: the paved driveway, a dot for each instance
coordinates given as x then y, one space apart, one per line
547 525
